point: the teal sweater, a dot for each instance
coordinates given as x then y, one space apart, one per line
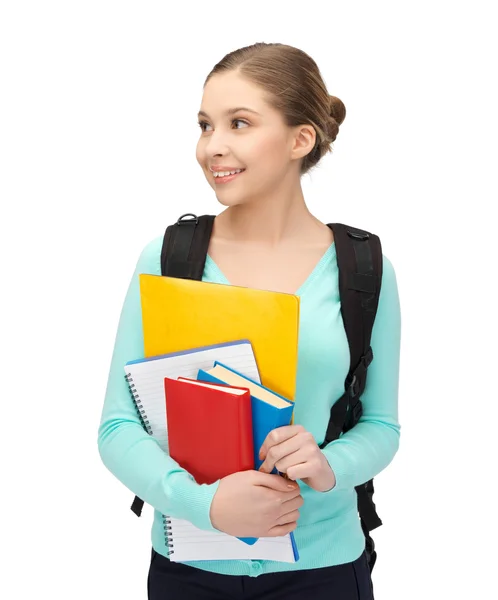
328 531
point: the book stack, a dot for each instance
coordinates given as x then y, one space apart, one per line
217 376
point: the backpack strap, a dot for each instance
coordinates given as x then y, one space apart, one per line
359 259
183 255
185 247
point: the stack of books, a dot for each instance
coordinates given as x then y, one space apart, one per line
218 375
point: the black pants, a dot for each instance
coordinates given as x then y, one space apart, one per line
175 581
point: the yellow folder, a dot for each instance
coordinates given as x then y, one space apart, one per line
179 314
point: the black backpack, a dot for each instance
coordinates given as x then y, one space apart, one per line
359 259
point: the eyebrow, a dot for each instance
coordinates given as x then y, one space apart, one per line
230 111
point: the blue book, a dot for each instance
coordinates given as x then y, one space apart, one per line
269 411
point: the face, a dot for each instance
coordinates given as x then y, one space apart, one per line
255 140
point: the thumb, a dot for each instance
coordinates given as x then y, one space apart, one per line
276 482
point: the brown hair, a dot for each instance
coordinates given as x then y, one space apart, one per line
294 86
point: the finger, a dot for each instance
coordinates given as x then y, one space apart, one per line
294 496
289 517
301 471
275 482
277 436
288 463
280 530
292 503
280 451
290 495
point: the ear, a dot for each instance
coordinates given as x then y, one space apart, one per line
304 140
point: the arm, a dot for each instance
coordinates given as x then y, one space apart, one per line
364 451
126 449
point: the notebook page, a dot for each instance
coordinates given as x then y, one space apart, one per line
148 378
190 543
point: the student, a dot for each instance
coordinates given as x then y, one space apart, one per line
265 110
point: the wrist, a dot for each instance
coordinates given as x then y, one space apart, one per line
327 479
192 502
328 482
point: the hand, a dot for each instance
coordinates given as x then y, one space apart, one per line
253 504
293 450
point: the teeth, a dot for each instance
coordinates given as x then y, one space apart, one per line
225 173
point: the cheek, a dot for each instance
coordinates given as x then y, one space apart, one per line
267 154
199 154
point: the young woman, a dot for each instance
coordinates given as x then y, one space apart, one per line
266 112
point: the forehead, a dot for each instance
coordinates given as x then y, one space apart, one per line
229 90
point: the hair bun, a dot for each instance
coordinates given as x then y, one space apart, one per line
337 109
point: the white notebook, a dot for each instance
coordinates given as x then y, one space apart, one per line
188 543
145 379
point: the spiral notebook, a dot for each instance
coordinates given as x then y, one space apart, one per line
145 379
188 543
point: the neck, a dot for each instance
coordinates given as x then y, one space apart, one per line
269 222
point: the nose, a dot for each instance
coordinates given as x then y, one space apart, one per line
217 143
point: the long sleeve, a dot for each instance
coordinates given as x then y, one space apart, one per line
364 451
126 449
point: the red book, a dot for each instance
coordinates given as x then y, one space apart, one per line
209 428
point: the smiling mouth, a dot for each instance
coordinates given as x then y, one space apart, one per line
227 178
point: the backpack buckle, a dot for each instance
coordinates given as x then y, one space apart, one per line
182 221
367 358
356 410
354 388
357 234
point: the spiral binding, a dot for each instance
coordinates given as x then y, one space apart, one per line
145 422
167 534
138 403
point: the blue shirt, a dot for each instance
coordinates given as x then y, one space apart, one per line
328 530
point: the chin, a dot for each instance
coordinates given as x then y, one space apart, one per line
229 201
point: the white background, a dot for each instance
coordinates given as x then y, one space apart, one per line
98 123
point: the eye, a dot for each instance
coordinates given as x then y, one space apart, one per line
202 123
